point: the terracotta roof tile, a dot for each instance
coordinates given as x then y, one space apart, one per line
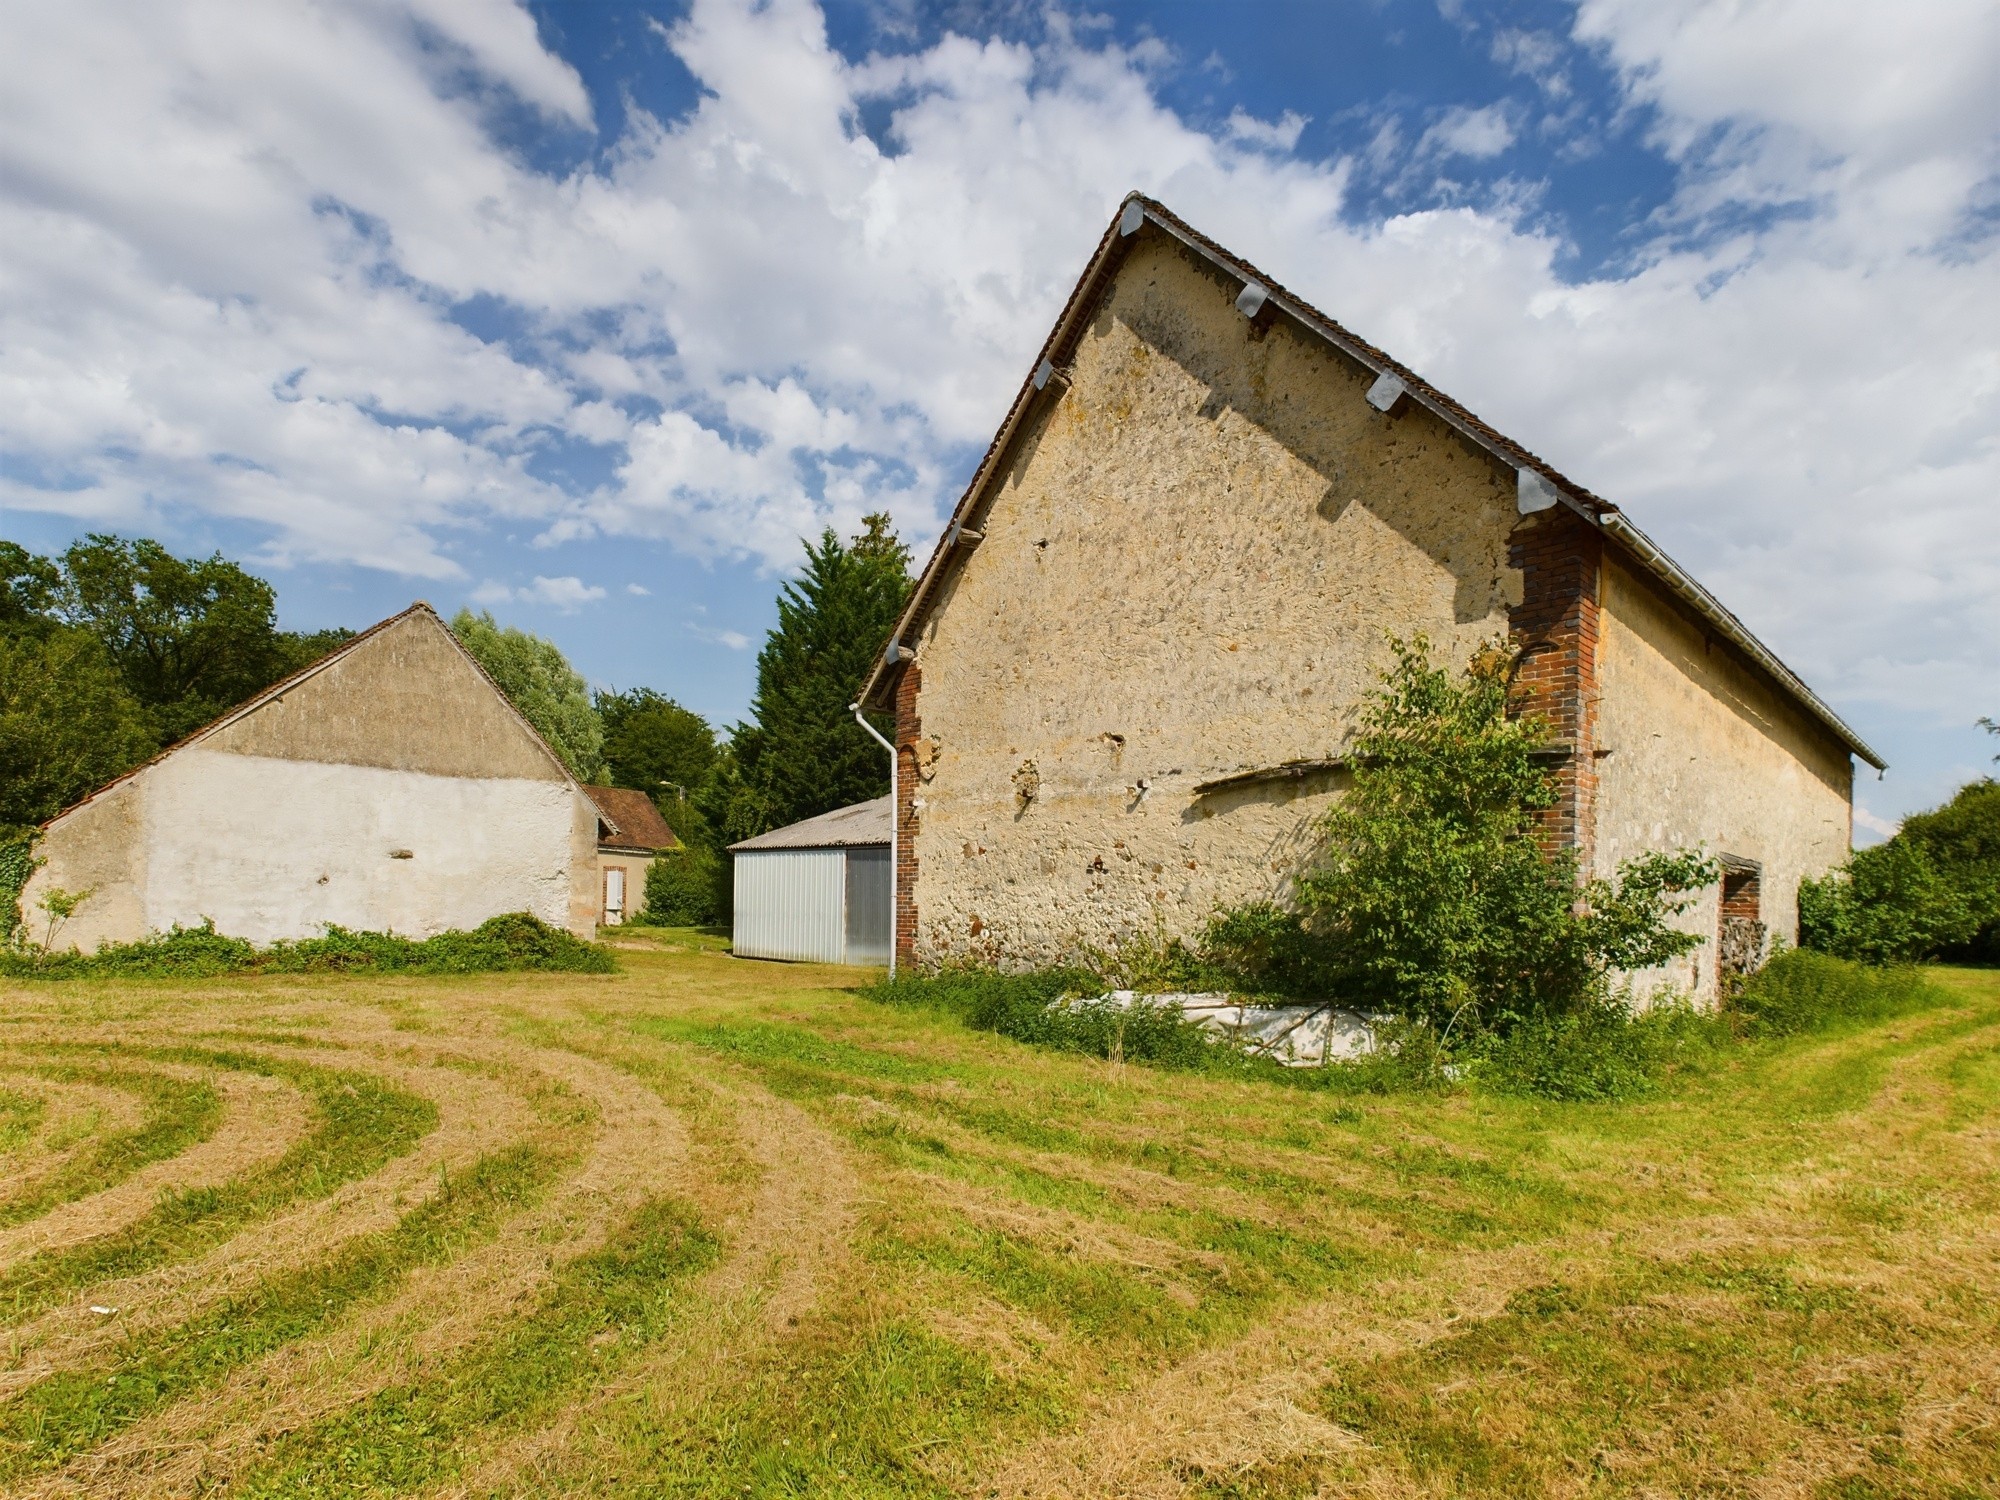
635 822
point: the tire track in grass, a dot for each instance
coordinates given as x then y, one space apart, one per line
261 1119
599 1311
360 1124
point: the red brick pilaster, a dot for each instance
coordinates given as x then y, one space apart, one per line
1556 626
908 728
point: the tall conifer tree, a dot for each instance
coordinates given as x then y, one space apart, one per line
804 754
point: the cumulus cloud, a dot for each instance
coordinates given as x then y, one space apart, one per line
1886 828
1281 134
567 594
247 244
1473 133
735 640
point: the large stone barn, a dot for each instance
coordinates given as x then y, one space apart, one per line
1126 680
388 787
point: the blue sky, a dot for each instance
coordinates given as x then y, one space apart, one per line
586 313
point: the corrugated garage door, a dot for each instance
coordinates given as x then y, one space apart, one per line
867 905
791 903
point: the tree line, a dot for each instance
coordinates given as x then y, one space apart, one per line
116 649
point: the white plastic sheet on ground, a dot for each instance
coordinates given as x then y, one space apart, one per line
1299 1036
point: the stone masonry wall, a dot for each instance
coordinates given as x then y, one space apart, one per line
1192 562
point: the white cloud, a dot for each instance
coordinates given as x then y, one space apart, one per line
1473 133
637 590
735 640
236 235
567 594
1886 827
1534 54
1281 134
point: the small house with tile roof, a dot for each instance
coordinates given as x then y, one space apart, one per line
1126 682
631 834
390 786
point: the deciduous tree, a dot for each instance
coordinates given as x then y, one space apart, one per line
538 679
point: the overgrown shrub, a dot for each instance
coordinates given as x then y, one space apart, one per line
1932 891
1409 1057
681 889
1801 991
517 941
17 863
1436 898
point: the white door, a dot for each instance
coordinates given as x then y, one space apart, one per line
614 896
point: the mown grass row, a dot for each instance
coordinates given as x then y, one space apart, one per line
358 1123
76 1409
177 1113
1745 1276
1349 1193
601 1310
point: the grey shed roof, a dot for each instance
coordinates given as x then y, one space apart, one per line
863 823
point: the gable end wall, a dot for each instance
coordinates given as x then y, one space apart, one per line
1191 563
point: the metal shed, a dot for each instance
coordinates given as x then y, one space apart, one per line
817 891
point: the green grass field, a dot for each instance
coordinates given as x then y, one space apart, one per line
711 1227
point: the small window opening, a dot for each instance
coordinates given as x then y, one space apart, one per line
1740 943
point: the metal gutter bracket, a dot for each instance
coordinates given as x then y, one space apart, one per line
1386 392
1250 301
1533 492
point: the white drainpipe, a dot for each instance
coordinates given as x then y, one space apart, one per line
895 810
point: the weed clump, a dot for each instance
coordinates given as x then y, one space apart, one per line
1801 991
514 942
1602 1052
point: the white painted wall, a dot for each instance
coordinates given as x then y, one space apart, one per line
271 848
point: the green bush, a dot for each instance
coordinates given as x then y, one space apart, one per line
1802 991
517 941
681 889
17 863
1410 1057
1932 891
1888 905
1435 897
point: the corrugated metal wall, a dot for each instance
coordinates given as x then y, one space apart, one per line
824 906
791 903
